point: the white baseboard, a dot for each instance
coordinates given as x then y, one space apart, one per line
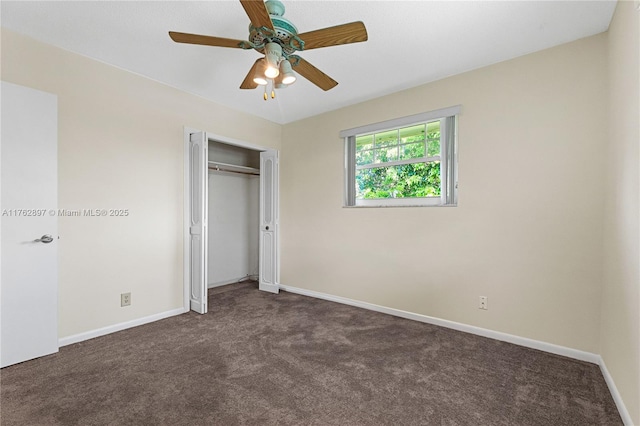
617 398
117 327
231 281
510 338
221 283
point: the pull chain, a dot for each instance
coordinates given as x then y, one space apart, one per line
273 91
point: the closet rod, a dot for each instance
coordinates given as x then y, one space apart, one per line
220 169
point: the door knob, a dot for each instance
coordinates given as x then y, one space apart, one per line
46 239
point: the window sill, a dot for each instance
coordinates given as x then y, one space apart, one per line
386 206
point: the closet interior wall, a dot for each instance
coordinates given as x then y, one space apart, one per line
234 199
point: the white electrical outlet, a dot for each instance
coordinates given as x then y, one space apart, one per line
484 303
125 299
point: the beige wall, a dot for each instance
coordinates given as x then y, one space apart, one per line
620 331
527 232
120 146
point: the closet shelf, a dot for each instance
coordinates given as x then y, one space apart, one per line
232 168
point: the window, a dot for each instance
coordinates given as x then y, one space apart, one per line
409 161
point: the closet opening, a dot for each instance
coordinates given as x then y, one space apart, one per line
231 227
234 214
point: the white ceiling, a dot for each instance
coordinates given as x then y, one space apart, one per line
410 42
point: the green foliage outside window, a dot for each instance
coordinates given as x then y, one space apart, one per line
409 180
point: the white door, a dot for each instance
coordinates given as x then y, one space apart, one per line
269 221
29 225
198 195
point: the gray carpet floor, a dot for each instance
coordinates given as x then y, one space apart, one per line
264 359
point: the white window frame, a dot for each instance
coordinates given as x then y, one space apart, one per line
448 159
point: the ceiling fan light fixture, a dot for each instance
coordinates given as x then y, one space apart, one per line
259 74
273 56
262 81
271 72
277 82
288 77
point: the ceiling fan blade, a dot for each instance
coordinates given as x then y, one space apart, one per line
312 73
257 12
248 82
205 40
353 32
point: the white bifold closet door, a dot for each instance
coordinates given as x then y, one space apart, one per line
198 195
269 221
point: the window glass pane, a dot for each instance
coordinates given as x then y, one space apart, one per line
364 142
387 138
412 134
405 181
433 147
433 138
384 155
412 150
364 157
433 126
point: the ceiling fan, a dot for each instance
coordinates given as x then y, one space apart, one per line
278 40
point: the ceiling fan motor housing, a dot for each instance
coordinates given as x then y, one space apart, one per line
285 34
